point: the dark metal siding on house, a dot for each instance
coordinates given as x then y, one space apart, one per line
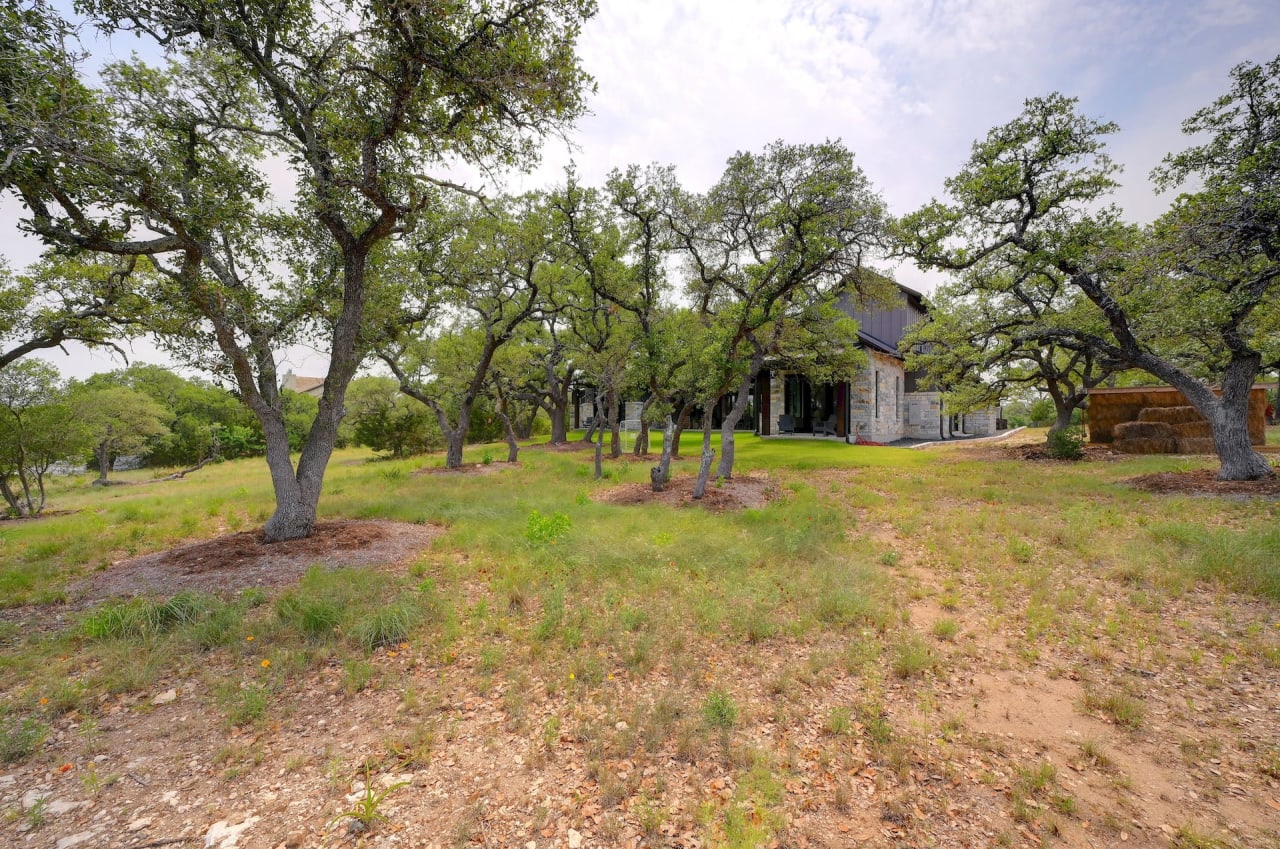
884 327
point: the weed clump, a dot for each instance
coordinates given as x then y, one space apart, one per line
1247 561
913 657
20 737
546 530
316 618
141 618
1124 710
719 710
388 626
946 628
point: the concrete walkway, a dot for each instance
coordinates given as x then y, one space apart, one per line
997 438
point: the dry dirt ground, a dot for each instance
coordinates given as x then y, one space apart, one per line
536 763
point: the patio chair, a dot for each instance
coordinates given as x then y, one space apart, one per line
827 428
786 424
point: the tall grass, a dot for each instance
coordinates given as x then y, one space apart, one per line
1246 561
533 567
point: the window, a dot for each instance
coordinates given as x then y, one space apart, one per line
877 376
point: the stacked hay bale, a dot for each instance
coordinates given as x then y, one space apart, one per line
1190 430
1165 430
1110 407
1145 438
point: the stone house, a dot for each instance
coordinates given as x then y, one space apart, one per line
883 403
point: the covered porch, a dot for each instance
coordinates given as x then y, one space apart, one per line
793 405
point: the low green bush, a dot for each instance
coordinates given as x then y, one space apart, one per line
1066 444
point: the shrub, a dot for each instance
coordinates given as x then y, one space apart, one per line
1066 444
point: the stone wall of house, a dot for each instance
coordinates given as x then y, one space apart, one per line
927 419
877 404
924 418
631 415
981 422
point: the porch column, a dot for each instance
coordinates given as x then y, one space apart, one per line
842 409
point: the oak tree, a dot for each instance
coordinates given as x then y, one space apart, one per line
366 102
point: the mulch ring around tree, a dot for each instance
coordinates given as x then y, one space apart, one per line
1204 482
242 560
1040 451
749 491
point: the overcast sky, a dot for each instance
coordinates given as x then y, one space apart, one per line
908 85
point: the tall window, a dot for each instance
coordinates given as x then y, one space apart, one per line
877 375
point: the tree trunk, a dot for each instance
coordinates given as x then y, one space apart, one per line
455 436
615 438
513 447
296 495
10 497
559 424
1065 401
453 448
642 438
32 509
294 518
525 431
1062 418
730 422
708 455
103 455
1227 414
600 439
660 474
1234 450
39 507
679 429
